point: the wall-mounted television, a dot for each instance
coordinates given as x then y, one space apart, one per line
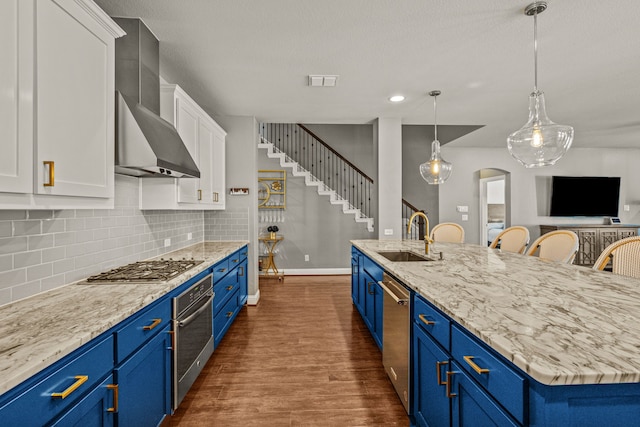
585 196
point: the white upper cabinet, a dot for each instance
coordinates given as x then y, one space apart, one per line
57 105
205 140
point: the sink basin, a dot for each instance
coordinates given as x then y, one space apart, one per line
404 256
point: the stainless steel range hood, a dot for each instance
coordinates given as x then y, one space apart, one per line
146 144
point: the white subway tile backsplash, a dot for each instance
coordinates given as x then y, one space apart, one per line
26 259
41 241
45 249
53 226
9 215
12 245
53 254
25 228
6 229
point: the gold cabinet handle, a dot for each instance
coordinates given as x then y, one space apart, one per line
438 365
222 270
215 196
113 387
478 369
448 383
236 260
229 313
229 287
80 379
425 320
199 194
51 166
155 323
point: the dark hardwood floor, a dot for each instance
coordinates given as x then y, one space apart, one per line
301 357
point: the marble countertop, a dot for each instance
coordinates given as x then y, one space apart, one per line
40 330
561 324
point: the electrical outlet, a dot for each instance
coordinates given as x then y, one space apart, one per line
462 208
465 217
167 242
306 258
388 231
189 236
627 208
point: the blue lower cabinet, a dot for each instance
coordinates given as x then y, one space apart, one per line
58 388
224 317
144 383
243 282
472 406
366 294
96 409
430 365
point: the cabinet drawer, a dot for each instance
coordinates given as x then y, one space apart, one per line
224 290
37 406
432 321
372 268
242 254
494 375
220 270
143 327
224 318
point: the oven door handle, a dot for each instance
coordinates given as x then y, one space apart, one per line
191 318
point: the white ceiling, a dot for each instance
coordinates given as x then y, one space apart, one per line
252 58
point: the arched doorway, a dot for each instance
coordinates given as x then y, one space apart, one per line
495 203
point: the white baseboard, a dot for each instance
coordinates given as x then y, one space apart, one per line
314 271
253 299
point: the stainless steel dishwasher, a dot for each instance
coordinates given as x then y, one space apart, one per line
396 332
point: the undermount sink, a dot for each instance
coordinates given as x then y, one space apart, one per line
404 256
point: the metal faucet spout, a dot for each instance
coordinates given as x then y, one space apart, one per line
427 240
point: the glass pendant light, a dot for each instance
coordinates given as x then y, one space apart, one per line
540 142
436 170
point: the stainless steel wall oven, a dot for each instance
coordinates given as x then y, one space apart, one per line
193 329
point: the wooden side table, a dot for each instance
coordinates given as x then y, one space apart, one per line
270 243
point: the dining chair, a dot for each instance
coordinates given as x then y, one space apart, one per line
624 255
513 239
558 245
448 232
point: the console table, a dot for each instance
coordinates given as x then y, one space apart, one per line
593 238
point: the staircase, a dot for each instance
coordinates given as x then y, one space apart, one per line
350 180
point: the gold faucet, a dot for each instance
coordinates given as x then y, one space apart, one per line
427 240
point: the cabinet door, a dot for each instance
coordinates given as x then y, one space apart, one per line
218 168
186 123
472 406
589 248
205 162
430 363
96 409
355 279
16 102
243 282
373 308
74 90
144 384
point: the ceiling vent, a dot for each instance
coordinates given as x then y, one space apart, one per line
318 80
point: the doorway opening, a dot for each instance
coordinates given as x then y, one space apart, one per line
495 203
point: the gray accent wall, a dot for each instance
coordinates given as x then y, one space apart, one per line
312 226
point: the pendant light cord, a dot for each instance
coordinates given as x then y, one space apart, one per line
535 51
435 117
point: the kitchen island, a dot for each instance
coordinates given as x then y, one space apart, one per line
565 328
40 330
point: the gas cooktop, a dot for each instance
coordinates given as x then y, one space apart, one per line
146 271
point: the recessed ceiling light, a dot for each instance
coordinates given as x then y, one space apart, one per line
396 98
